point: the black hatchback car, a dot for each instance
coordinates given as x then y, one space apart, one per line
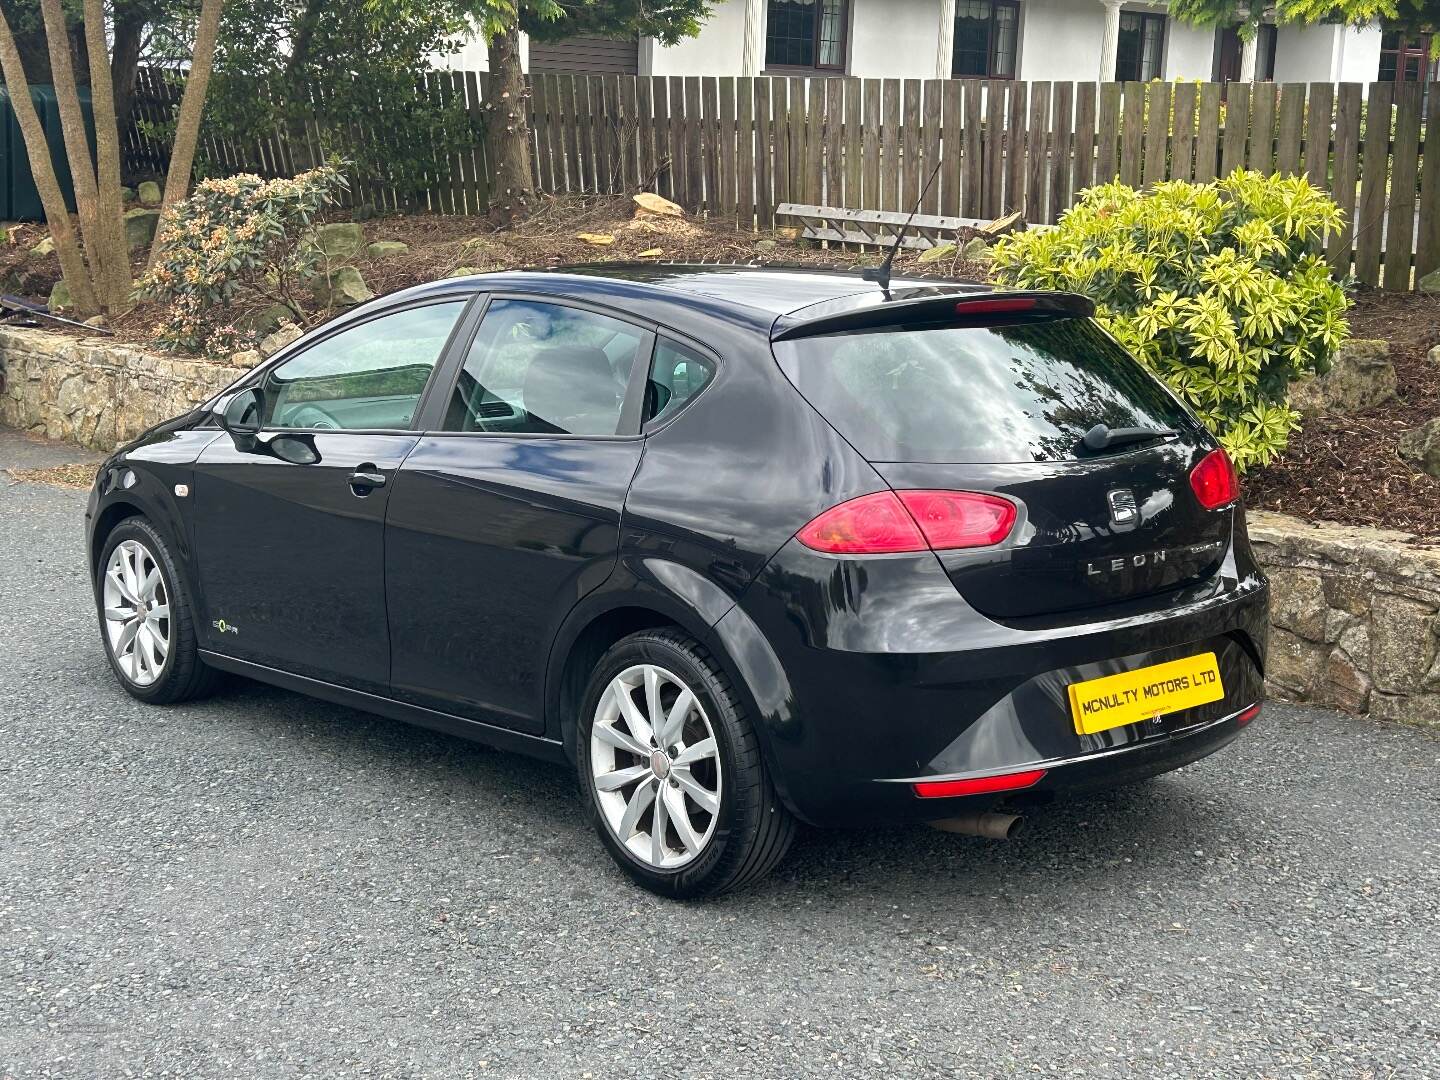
746 546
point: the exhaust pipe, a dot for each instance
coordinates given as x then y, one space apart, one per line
990 826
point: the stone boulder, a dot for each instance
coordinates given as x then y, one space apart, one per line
1430 283
976 251
1361 377
272 344
938 253
149 193
464 271
127 194
140 225
384 249
265 320
43 248
341 287
247 359
340 240
60 297
1421 447
1433 356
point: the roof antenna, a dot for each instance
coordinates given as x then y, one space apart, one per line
881 274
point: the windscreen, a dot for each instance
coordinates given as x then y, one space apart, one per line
1024 392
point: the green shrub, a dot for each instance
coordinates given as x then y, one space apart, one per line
1220 289
237 242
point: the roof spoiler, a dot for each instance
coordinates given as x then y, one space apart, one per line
958 309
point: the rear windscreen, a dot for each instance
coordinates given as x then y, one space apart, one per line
1026 392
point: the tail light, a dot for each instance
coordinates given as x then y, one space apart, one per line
980 785
1214 480
889 522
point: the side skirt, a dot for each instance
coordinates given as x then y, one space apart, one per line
474 730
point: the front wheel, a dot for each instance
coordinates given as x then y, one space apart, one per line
672 772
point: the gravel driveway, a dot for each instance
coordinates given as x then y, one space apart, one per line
262 885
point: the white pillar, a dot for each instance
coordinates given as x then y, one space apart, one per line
753 57
945 41
1110 42
1248 49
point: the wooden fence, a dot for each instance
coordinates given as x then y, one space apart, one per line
735 148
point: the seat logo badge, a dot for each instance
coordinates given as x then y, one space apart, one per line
1123 510
225 627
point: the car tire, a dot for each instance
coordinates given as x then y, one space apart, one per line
723 824
156 658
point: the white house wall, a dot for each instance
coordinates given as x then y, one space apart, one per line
1189 51
1359 54
895 39
717 50
1060 39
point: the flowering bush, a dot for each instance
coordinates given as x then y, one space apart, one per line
1220 289
238 240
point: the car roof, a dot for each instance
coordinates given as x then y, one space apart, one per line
757 295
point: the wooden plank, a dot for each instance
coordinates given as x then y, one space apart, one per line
1346 171
664 148
1237 127
764 158
679 148
1291 129
833 167
952 112
1262 128
629 134
911 178
973 188
710 134
1404 174
780 140
851 141
1182 146
891 192
745 173
1207 136
1083 170
992 201
873 196
1374 179
1157 134
1015 148
799 136
931 120
1132 134
475 109
459 159
1062 126
645 132
602 116
815 139
1107 156
1319 111
1035 171
570 135
1427 240
694 161
727 152
540 130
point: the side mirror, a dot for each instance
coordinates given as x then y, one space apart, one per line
240 416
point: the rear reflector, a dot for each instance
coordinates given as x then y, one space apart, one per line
984 785
1248 715
1214 480
888 522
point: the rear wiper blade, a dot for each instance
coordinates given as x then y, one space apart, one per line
1101 437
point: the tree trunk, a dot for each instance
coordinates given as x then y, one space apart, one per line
192 107
512 194
296 103
72 126
125 64
67 247
113 282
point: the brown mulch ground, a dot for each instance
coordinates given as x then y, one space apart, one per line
69 476
1345 468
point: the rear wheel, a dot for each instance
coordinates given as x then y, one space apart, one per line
145 618
672 772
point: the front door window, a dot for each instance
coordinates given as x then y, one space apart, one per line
1139 53
807 34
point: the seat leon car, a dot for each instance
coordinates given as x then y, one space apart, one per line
744 547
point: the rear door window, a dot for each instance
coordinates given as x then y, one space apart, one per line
677 374
1026 392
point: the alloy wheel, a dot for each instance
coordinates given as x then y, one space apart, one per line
655 767
137 612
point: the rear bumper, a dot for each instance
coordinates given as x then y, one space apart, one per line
861 698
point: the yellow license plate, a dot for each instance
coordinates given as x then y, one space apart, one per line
1132 696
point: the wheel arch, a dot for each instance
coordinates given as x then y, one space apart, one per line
106 522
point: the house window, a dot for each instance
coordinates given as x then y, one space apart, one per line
1405 59
985 35
1231 50
807 34
1141 47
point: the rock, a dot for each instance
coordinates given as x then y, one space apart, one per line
651 253
60 297
976 251
938 253
342 287
1401 644
265 320
1430 283
766 245
598 239
647 202
1348 593
1360 377
1345 684
43 248
1293 663
384 249
364 212
1421 447
1407 708
282 337
340 240
149 193
97 321
247 359
1433 356
464 271
140 226
127 194
1297 602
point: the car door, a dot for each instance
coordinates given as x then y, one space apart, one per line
289 525
508 511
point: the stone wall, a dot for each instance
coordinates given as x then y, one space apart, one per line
93 391
1353 617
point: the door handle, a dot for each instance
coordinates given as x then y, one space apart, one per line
366 476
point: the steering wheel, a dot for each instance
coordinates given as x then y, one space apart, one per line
312 416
